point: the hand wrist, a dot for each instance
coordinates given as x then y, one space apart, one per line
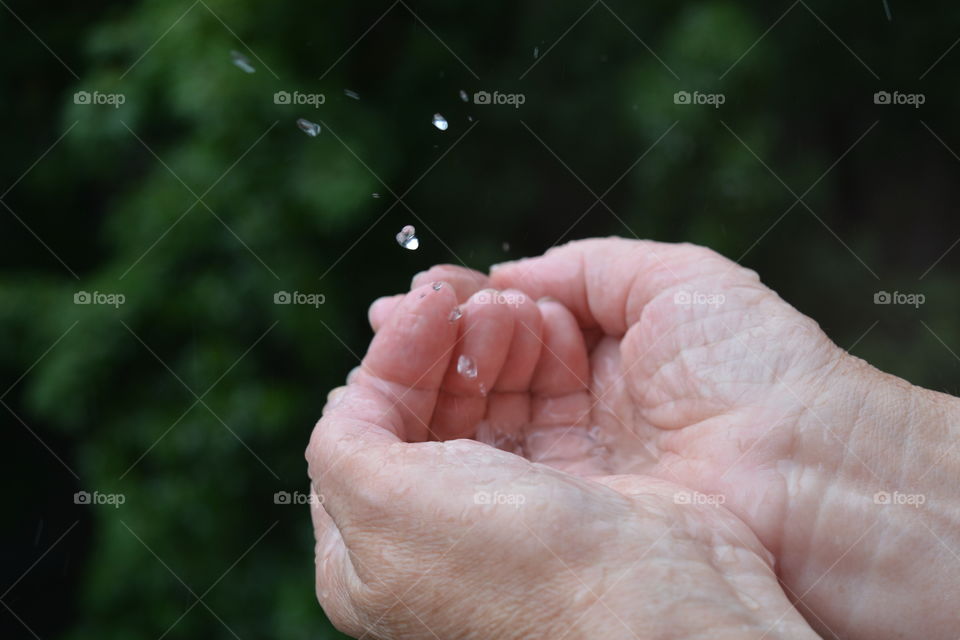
879 504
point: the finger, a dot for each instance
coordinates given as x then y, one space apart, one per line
561 402
381 310
508 407
607 282
564 367
408 356
465 282
525 344
486 330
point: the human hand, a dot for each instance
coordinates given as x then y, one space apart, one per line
456 539
698 374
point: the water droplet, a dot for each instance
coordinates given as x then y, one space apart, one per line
505 246
440 122
407 238
467 367
436 286
242 62
376 195
470 118
350 93
464 96
455 314
483 390
536 52
312 129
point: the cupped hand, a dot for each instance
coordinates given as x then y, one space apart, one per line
641 357
670 361
456 539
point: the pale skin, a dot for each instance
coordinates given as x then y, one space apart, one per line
690 457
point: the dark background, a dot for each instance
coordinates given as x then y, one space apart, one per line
94 199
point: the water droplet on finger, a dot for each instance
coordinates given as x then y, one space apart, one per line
466 367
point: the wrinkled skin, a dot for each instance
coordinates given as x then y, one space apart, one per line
654 381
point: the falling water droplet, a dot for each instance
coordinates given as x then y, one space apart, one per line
467 367
350 93
470 118
242 62
455 314
407 238
440 122
505 246
536 52
464 96
376 195
312 129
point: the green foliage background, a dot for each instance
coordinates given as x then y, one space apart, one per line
101 212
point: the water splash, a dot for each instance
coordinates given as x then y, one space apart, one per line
407 238
466 367
312 129
242 62
440 122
